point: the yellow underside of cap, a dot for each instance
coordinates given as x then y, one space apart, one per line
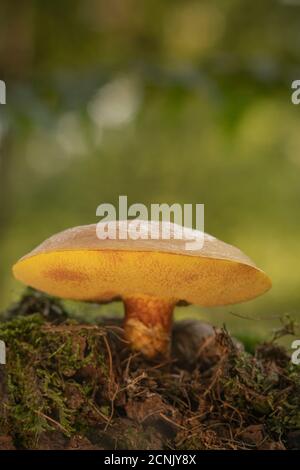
97 275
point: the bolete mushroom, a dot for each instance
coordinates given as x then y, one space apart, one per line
150 276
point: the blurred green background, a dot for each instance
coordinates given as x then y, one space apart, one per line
164 101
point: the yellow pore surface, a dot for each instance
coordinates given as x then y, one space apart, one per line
101 275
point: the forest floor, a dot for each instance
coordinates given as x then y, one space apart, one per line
71 385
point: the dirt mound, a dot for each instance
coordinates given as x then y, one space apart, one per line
69 385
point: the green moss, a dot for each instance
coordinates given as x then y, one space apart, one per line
43 362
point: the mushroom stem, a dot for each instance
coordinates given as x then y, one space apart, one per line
148 323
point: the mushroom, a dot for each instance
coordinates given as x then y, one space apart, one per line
151 276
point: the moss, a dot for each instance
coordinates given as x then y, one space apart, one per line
43 361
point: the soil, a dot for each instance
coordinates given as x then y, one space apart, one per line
71 385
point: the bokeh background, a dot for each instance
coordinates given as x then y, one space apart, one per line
164 101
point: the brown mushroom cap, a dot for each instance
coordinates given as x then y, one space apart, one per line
76 264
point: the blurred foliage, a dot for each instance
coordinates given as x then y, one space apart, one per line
165 101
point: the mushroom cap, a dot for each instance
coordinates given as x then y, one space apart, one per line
76 264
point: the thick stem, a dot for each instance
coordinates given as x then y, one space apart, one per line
148 323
